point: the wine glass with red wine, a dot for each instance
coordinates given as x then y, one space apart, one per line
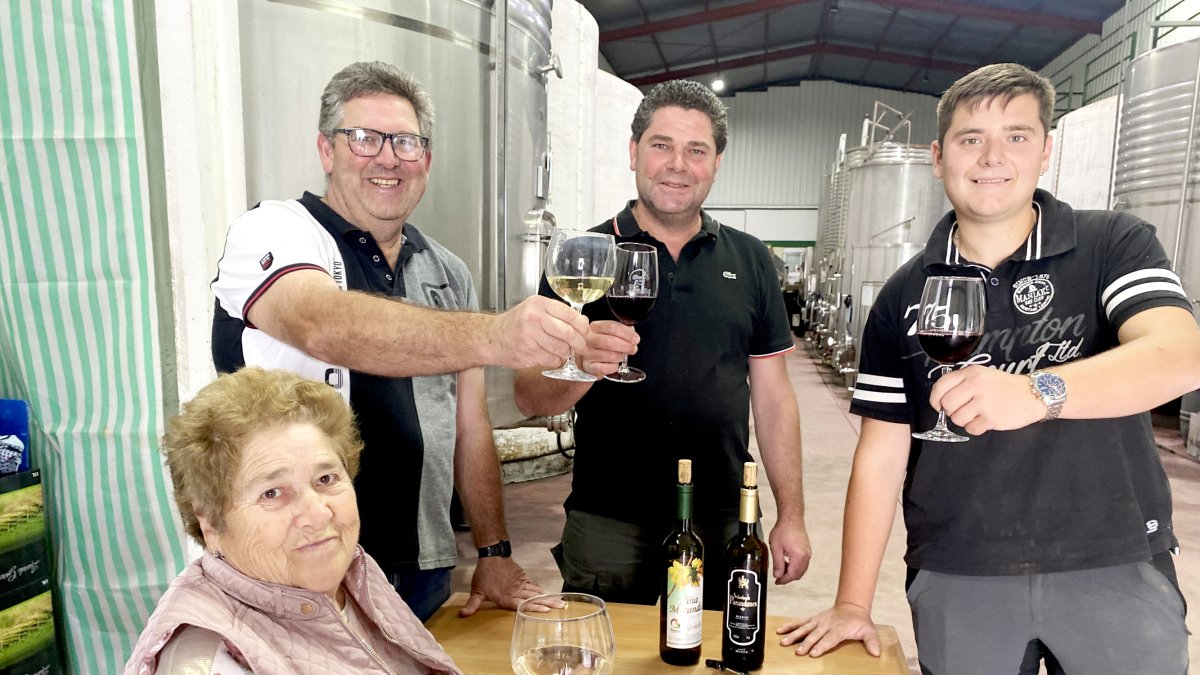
634 289
953 311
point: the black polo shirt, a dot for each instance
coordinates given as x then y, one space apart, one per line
718 306
1053 496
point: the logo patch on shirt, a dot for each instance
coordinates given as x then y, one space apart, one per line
266 260
1033 293
728 275
1151 526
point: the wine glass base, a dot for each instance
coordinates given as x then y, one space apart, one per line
941 435
570 373
628 377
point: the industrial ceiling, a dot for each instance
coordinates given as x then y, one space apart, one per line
909 45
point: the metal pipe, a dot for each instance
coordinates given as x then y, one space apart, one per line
500 241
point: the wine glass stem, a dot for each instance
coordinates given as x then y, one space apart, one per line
624 367
570 364
941 423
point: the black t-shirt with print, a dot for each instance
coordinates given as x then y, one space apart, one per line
1053 496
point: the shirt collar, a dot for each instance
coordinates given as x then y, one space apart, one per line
339 225
1052 234
625 225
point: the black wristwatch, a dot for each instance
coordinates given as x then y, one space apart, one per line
501 548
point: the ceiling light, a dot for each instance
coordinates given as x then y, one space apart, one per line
718 84
833 7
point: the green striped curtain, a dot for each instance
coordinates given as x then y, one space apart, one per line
78 319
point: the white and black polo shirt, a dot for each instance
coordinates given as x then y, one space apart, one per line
1054 496
406 475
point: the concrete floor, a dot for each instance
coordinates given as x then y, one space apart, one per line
830 432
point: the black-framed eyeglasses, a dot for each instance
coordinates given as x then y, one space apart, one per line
369 143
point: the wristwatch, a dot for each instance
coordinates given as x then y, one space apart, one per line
501 548
1051 389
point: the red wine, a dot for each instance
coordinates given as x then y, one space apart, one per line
630 309
948 348
744 629
681 612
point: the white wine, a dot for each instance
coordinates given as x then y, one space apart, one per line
563 660
743 635
580 290
681 612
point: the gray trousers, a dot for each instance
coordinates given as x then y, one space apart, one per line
1120 620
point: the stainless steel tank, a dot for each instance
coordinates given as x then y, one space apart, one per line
1158 159
1158 152
480 189
893 202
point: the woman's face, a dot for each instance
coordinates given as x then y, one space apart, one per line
292 519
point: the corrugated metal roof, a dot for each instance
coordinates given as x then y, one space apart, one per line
908 45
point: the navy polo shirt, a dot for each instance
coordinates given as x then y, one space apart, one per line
1053 496
718 306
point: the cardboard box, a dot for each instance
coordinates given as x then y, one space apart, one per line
23 555
27 645
14 436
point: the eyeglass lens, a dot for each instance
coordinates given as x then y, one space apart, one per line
369 143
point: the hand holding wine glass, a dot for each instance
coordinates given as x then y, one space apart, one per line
949 328
574 638
579 268
634 289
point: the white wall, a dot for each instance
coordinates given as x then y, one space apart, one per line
790 225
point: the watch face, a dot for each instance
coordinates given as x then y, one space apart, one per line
1051 385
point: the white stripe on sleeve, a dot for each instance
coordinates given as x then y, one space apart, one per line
878 396
1141 289
1152 273
881 381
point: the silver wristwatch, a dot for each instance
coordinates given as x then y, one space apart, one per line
1051 389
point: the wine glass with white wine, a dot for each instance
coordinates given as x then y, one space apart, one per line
574 638
579 268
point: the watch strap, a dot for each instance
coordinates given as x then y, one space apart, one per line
502 549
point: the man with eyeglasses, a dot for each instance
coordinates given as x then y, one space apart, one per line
340 288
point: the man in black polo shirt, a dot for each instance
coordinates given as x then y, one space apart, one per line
1052 524
341 288
713 348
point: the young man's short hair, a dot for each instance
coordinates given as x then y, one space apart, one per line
1005 81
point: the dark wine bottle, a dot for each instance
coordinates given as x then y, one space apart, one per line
681 612
743 634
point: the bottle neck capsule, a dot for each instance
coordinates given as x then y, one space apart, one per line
748 513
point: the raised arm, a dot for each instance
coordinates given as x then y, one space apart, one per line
777 430
880 462
372 334
1158 359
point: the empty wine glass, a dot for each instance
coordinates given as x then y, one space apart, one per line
579 268
574 638
949 328
634 289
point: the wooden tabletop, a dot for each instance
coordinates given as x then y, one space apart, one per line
479 645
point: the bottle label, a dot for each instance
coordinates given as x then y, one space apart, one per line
685 603
743 599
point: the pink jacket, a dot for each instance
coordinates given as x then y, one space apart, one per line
280 630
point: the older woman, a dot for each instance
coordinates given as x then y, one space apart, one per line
263 463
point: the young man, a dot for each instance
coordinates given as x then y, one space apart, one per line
713 348
1053 523
341 288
